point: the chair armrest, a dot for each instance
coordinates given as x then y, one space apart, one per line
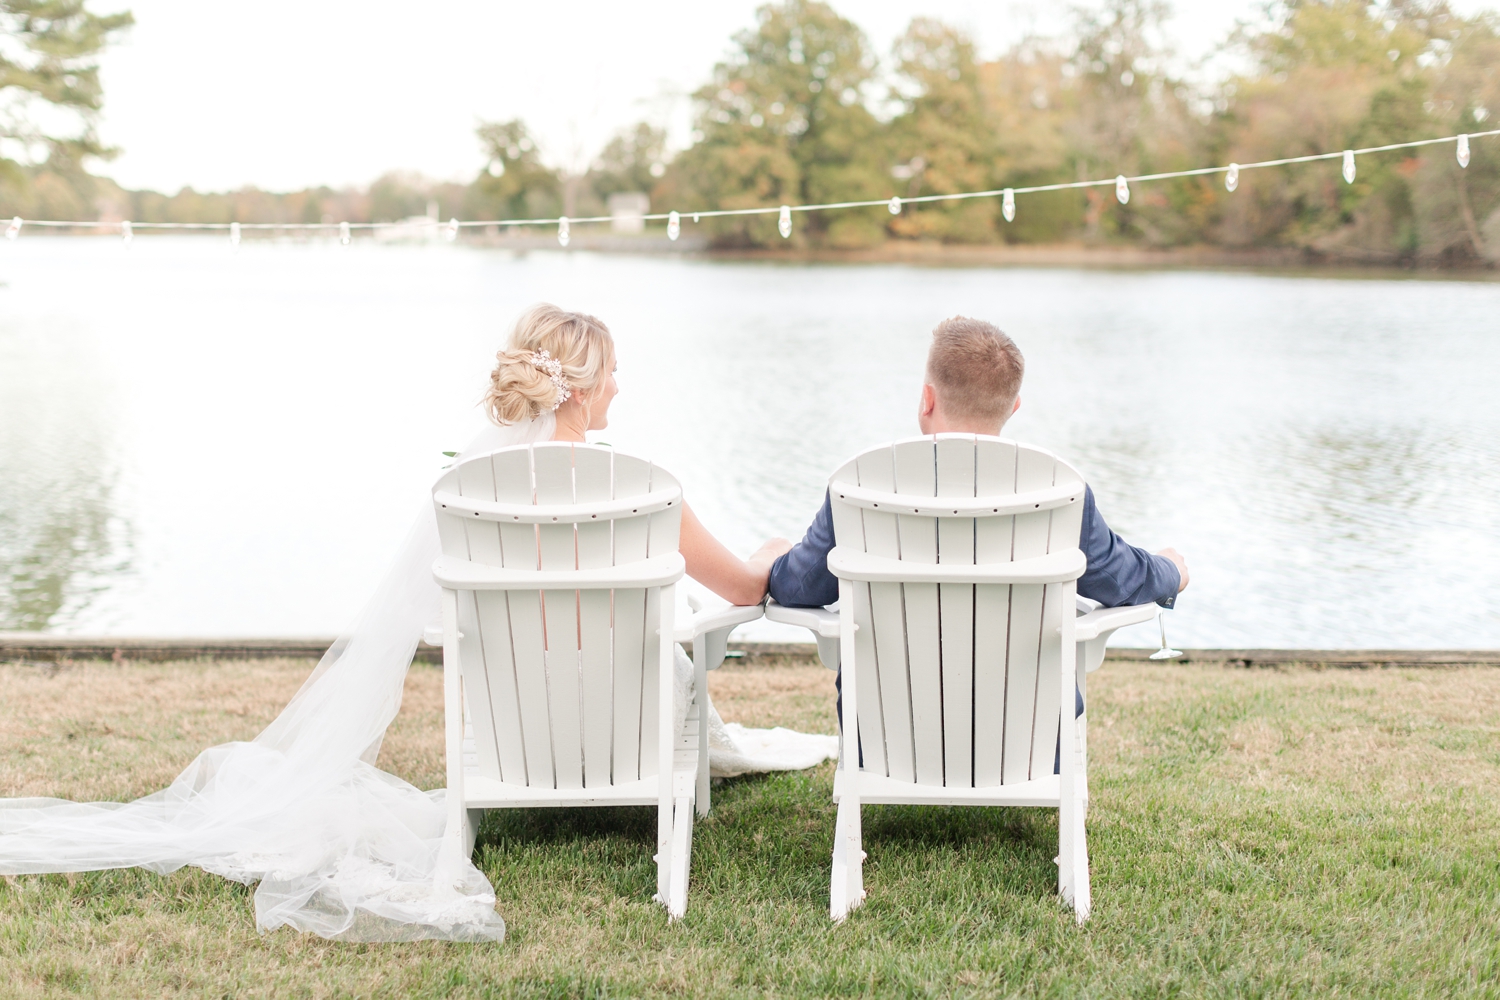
1106 620
705 622
709 632
823 622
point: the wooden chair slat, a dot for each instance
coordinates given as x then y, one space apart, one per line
632 476
557 546
593 479
994 475
848 523
915 464
956 477
887 623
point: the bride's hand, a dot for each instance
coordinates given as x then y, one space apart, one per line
768 553
738 581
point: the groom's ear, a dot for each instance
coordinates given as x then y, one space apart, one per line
929 401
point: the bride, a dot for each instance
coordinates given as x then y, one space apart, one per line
339 847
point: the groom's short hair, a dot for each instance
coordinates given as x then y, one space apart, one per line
975 368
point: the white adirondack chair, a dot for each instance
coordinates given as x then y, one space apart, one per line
956 555
558 571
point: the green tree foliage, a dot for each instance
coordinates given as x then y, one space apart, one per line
802 111
1340 74
634 160
945 138
50 99
784 120
515 184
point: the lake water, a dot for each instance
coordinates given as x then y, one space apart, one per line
201 441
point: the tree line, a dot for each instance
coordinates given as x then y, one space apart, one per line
803 110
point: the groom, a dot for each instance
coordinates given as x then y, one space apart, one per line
972 386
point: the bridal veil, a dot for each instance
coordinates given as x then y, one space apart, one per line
339 847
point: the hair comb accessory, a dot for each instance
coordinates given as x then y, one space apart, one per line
553 368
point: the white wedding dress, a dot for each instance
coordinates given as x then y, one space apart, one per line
339 847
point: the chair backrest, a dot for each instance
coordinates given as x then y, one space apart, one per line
561 684
957 684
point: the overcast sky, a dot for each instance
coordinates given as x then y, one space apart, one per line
284 94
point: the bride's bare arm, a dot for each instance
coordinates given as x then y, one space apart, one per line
738 581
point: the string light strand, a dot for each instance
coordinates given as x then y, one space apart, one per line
563 223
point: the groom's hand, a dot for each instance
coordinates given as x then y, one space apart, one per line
1181 564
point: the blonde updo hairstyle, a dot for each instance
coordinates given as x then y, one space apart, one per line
520 390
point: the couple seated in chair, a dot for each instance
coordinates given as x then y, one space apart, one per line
565 362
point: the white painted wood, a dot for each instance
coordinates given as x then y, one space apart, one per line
915 464
847 888
593 480
552 470
994 475
1022 691
888 621
664 741
453 722
875 789
1054 567
701 653
496 708
558 640
971 615
848 522
956 477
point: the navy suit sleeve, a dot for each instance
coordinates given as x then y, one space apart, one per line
800 578
1119 574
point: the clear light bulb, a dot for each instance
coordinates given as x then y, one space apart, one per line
14 229
674 226
1232 177
234 234
1008 205
451 233
784 224
344 233
563 234
1348 166
895 205
126 232
1463 151
1122 190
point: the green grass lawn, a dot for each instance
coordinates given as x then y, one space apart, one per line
1296 832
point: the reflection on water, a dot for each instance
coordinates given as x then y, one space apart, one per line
61 542
1326 452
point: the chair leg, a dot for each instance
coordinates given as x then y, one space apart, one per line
682 855
1073 854
471 820
700 699
847 890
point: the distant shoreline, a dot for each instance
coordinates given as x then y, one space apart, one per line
912 252
932 253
